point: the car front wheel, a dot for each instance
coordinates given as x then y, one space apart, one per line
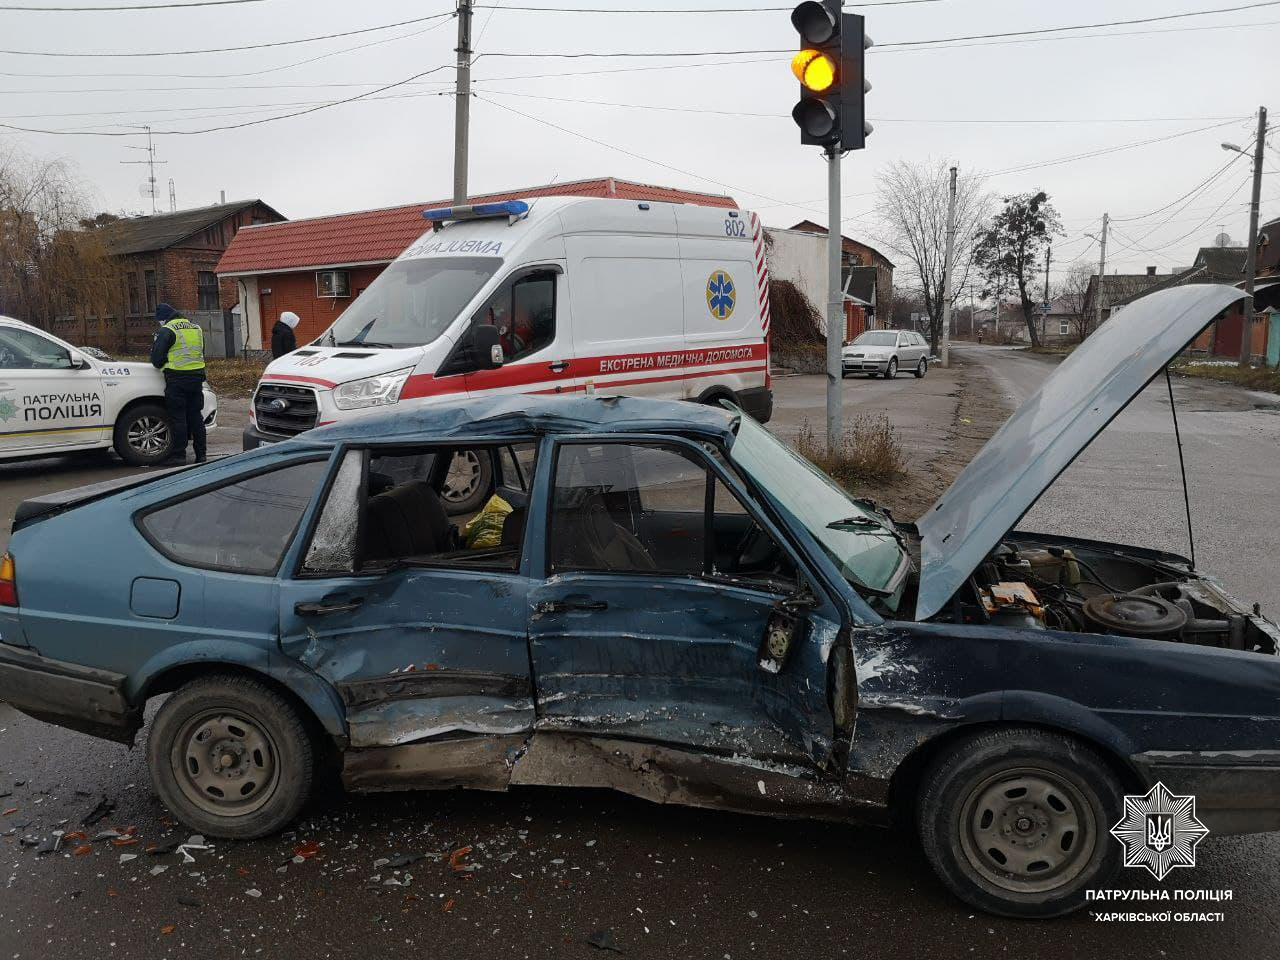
1015 822
230 758
891 370
142 435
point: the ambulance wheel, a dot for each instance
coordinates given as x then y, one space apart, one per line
469 482
142 435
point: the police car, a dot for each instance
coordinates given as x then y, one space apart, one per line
55 398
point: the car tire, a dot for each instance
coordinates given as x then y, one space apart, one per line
142 435
469 482
230 758
922 368
1042 802
891 371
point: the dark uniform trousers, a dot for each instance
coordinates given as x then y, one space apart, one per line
184 398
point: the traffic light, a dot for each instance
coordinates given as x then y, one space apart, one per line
831 68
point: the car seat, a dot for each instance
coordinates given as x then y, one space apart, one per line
409 520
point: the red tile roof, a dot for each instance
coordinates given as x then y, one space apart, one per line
379 236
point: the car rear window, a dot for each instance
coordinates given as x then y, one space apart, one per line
243 526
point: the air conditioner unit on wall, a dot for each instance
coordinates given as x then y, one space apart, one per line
333 283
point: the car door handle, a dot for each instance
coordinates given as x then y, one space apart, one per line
328 606
561 606
560 366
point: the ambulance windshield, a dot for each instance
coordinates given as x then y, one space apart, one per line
411 303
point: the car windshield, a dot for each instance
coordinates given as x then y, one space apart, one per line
878 338
867 553
411 303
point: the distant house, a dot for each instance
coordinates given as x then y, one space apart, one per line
1118 289
171 258
800 258
1061 323
859 254
316 267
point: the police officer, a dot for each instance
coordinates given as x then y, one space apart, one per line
178 350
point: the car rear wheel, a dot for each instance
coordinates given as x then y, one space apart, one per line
142 435
230 758
1015 822
891 370
469 482
922 368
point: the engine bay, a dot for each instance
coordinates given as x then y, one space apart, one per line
1086 589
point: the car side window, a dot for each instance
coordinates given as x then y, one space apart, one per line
24 350
420 507
650 508
524 311
243 526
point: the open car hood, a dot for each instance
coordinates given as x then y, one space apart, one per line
1046 434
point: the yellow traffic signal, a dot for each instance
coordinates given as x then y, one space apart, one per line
815 70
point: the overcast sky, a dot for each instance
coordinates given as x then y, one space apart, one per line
1100 92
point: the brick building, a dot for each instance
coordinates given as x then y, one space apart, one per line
316 267
170 258
858 254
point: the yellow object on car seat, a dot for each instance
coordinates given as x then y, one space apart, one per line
484 530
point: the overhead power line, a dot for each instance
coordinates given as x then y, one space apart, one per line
1022 168
1219 171
121 9
880 3
251 46
235 126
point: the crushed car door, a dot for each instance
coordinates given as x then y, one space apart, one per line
423 639
661 589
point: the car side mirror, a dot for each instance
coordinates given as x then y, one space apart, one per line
785 628
486 347
80 362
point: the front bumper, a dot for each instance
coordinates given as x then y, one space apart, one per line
80 698
864 365
1236 791
253 438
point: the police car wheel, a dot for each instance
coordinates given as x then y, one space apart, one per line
1015 822
142 435
469 482
230 758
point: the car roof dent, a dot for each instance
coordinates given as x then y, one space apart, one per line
1047 432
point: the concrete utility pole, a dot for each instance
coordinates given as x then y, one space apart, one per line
1048 258
946 276
1102 273
462 104
1251 258
835 299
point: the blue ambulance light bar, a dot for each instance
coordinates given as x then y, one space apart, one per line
513 210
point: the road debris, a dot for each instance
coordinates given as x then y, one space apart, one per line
104 808
603 940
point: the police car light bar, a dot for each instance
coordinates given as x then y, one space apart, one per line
512 209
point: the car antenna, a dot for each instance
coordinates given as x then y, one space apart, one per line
541 195
1182 465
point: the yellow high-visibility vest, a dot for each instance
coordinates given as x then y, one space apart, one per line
187 353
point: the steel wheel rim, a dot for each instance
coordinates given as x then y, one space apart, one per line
225 763
463 477
1027 830
924 365
149 435
893 368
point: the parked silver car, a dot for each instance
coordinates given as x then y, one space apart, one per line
885 352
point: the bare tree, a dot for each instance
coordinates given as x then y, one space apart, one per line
912 201
1008 250
50 269
1071 298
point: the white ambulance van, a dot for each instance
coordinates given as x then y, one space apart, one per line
556 295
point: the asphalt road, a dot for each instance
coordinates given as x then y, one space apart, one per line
554 867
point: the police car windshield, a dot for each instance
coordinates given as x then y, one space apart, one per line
411 303
865 549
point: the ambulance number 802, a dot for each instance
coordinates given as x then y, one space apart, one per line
735 228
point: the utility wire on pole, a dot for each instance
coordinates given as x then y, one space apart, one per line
1251 258
462 105
151 162
947 274
1102 273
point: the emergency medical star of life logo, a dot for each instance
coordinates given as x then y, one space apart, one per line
722 295
1159 831
7 409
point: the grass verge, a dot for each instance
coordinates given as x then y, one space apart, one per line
1254 378
868 452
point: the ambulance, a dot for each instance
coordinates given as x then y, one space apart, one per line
557 295
57 399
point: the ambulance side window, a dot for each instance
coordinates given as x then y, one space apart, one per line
524 311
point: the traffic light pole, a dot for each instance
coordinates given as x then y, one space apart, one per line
835 300
462 104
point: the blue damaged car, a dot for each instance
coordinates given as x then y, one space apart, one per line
663 599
